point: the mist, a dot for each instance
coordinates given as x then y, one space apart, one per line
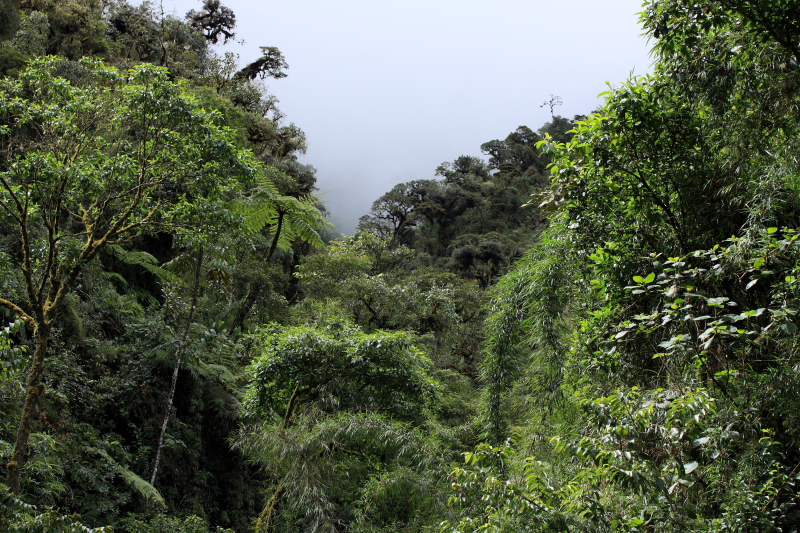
387 91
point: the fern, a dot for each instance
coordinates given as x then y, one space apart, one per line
16 515
145 489
182 268
292 218
148 491
140 259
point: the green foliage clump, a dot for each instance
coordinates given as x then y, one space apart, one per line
338 414
341 367
640 362
18 516
110 336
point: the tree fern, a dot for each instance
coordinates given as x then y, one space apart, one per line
142 487
140 259
214 268
148 491
288 218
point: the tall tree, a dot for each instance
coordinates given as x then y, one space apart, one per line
92 162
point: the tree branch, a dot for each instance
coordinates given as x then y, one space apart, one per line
17 309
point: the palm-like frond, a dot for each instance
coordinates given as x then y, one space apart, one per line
182 268
145 489
288 217
141 259
148 491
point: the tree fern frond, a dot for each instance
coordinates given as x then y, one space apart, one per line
140 259
304 229
217 371
266 181
145 489
182 266
267 208
118 278
144 296
148 491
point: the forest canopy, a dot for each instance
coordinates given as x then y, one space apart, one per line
586 326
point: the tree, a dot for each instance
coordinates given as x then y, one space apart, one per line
215 21
329 403
643 353
517 154
269 65
94 157
9 18
287 218
389 214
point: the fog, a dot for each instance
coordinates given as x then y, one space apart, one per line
388 90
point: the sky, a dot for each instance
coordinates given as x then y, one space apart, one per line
387 90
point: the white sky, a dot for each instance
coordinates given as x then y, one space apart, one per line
388 90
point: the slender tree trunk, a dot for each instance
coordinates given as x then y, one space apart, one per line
41 333
278 228
246 307
264 522
255 292
181 349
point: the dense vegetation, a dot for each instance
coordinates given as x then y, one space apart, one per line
592 329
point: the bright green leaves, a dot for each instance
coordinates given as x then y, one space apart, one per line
487 499
649 456
12 357
692 322
17 515
91 158
672 163
288 218
334 411
339 367
119 153
632 171
368 279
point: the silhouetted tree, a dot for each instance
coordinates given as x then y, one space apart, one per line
214 20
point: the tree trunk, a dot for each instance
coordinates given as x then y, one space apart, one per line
246 307
278 229
34 391
181 349
264 522
255 292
